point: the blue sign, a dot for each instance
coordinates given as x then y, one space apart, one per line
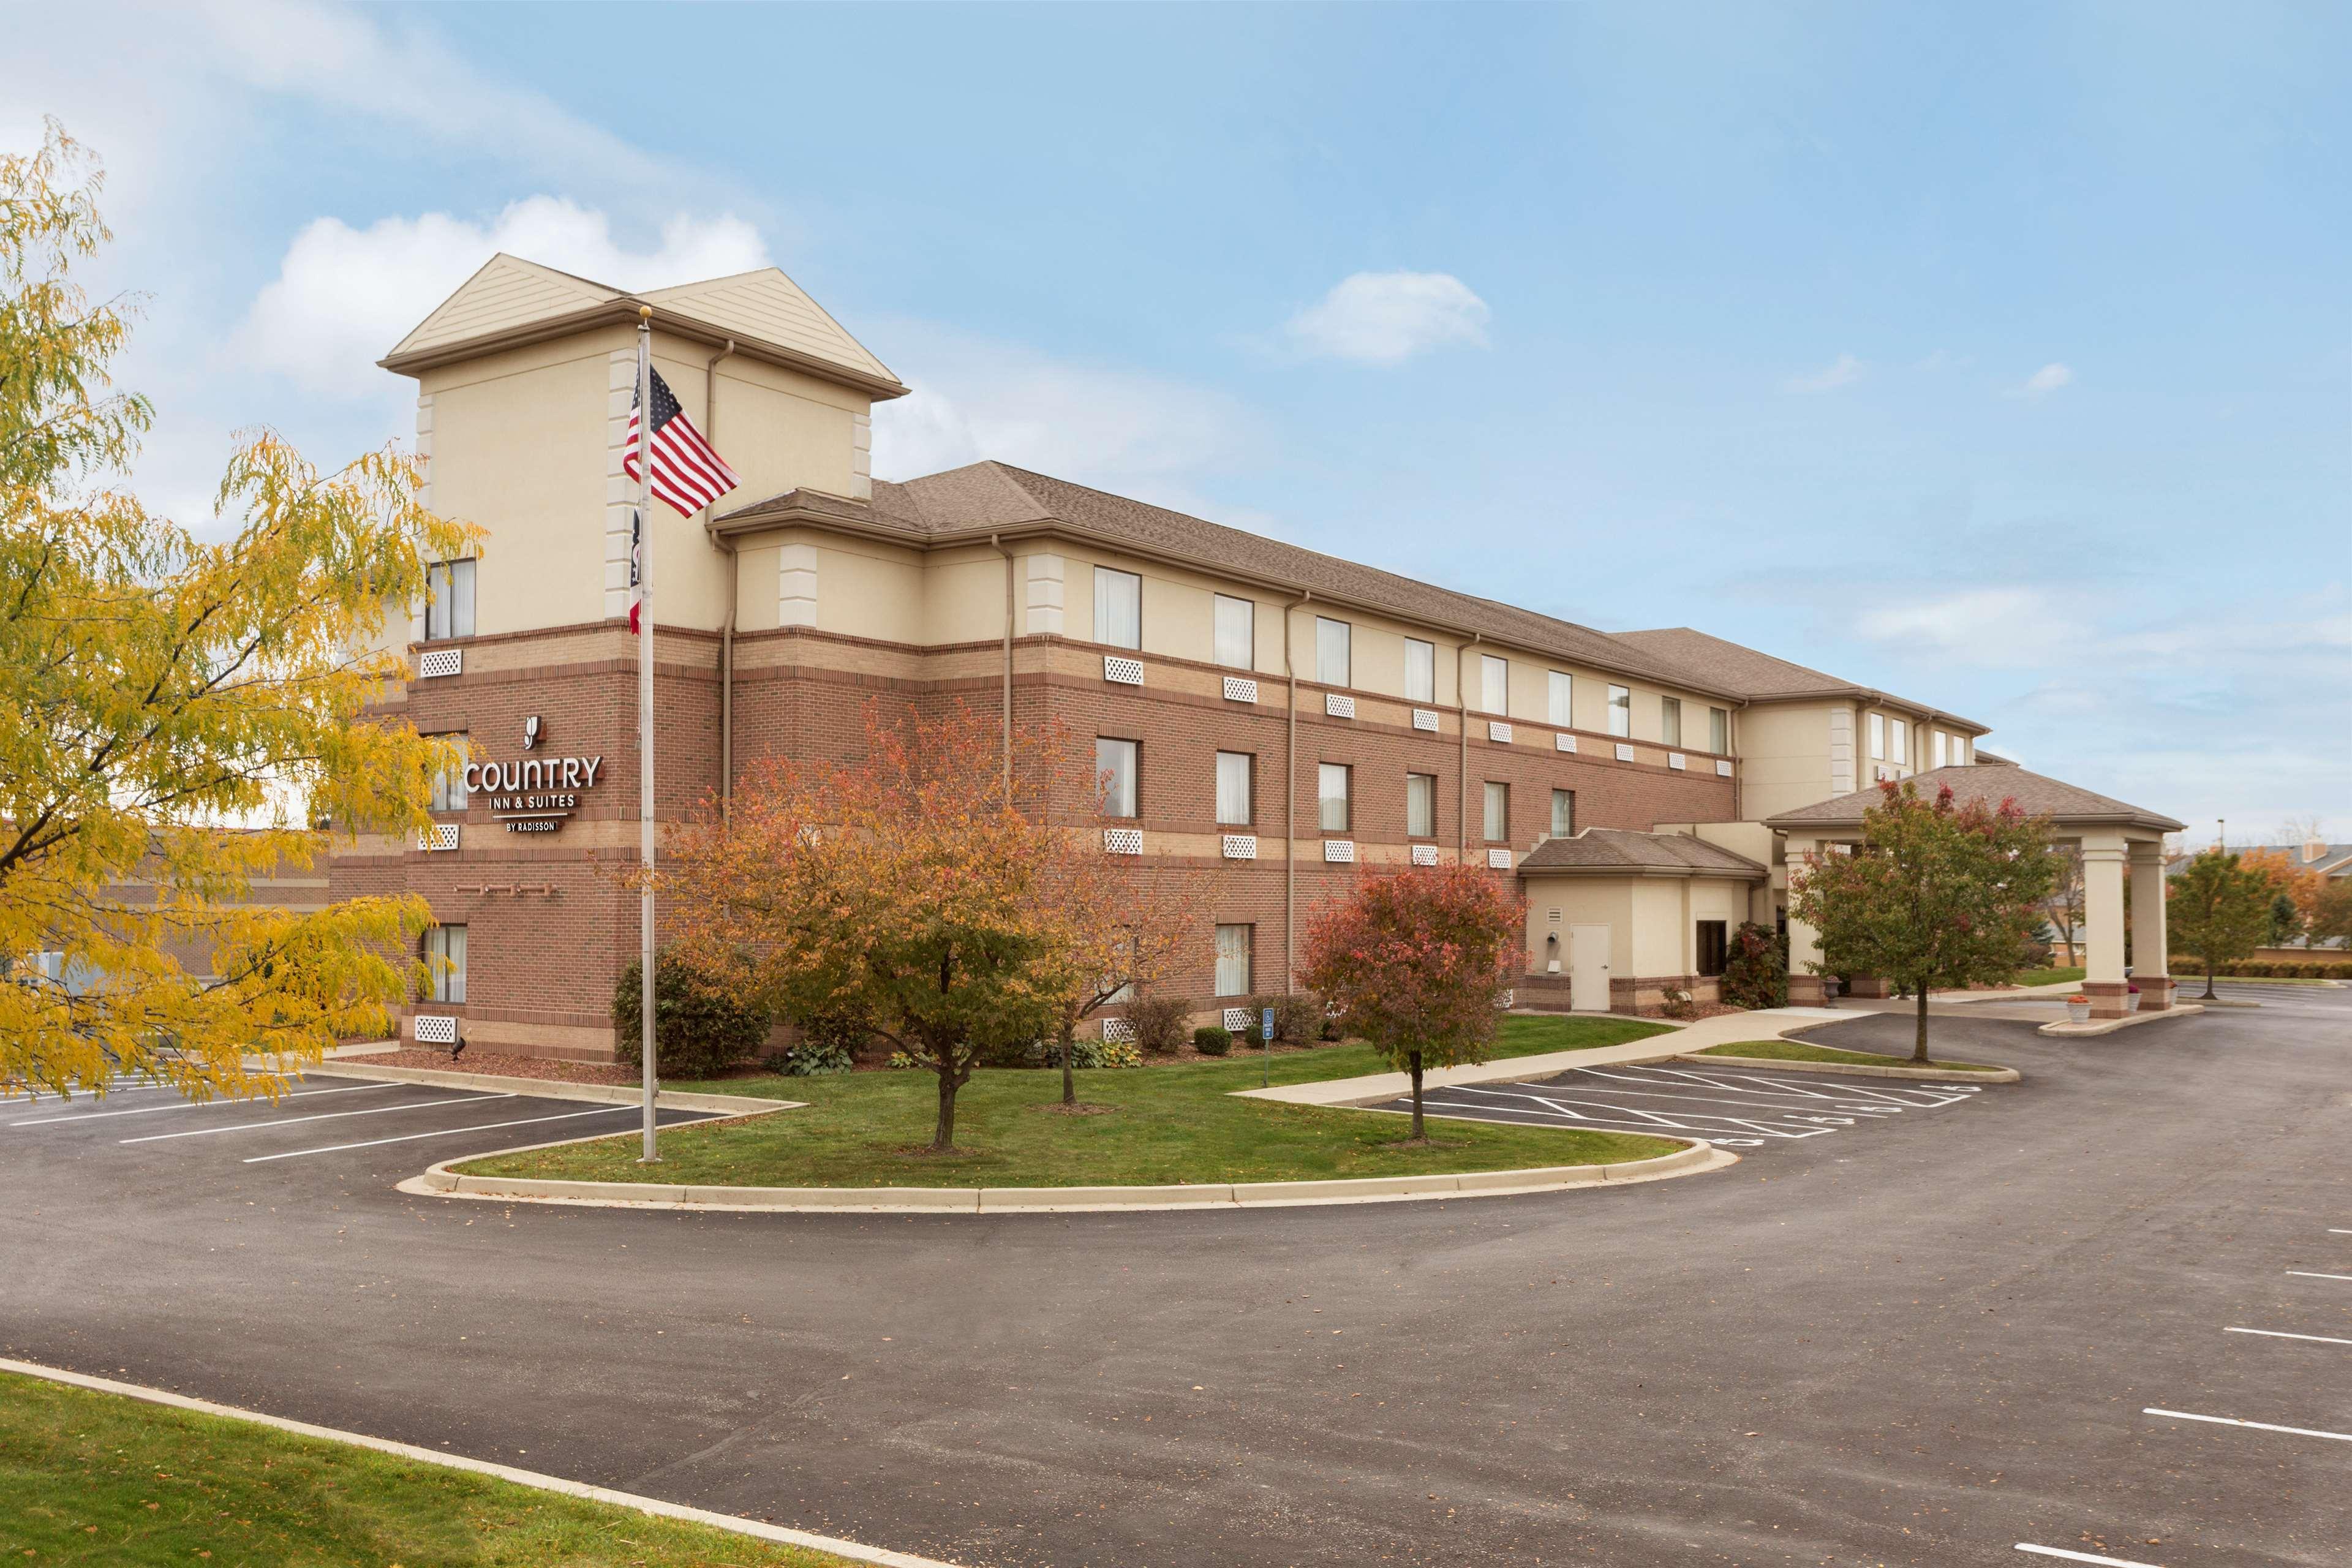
1265 1025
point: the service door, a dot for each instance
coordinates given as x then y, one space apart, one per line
1588 968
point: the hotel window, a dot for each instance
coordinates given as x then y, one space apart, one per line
1563 814
1331 797
445 955
1713 946
1670 720
1960 757
1621 710
1421 806
1233 960
1498 812
1331 652
1494 684
1118 608
1941 759
449 784
1233 788
449 611
1878 737
1719 731
1115 765
1420 670
1902 742
1562 696
1236 632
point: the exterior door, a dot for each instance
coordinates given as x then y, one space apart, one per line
1588 968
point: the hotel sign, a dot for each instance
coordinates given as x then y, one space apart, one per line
535 794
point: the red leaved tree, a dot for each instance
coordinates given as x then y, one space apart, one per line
1412 961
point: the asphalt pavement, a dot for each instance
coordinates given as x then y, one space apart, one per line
1928 1339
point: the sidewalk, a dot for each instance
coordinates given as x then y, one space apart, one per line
1680 1039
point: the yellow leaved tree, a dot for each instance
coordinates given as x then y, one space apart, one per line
184 712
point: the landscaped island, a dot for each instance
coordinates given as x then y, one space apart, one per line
1146 1127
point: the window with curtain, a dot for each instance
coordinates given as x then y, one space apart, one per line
1331 797
1234 978
1878 737
1494 684
1234 791
1118 608
1116 763
1940 757
449 784
1902 742
1331 652
1498 812
449 612
445 955
1563 814
1421 806
1621 710
1719 731
1960 755
1236 632
1670 720
1420 670
1562 700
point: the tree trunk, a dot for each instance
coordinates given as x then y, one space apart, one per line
1417 1133
1069 1082
1919 1046
2209 982
943 1140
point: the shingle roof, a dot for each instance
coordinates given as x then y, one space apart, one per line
1621 850
1758 675
975 501
2035 794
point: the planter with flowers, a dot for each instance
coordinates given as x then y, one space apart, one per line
2078 1009
2131 999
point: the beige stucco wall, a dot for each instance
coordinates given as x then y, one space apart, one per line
1580 900
1652 921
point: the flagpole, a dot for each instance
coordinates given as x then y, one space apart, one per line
647 979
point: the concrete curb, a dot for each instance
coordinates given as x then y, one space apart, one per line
1871 1070
729 1522
2066 1028
552 1089
438 1181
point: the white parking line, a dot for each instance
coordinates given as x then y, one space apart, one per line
321 1116
2283 1334
445 1132
2083 1556
2307 1274
186 1105
2256 1425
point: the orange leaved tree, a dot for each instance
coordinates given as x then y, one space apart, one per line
1413 962
1122 922
913 890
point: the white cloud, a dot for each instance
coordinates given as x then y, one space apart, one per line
1991 625
1386 318
2045 381
344 296
1843 371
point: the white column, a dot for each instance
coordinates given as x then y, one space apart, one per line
2103 918
2151 946
1804 942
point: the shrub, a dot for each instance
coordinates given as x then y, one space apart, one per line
1677 1003
1211 1040
1298 1017
702 1024
1756 974
1105 1054
1159 1024
828 1045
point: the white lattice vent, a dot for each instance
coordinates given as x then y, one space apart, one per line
1239 689
1122 841
1676 759
437 661
1498 860
1337 707
1563 742
1117 1029
1424 854
1123 671
433 1029
1624 752
1722 768
1241 846
440 835
1506 1000
1496 732
1425 719
1339 851
1238 1020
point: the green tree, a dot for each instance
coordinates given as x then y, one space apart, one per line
2285 921
2218 909
2331 917
1413 962
1936 894
184 713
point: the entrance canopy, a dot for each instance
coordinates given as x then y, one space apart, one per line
2109 834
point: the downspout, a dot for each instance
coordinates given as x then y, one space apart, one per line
1290 805
1462 709
1001 550
727 632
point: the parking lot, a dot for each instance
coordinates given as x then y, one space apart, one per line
1731 1108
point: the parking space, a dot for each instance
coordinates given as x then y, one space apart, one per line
1732 1108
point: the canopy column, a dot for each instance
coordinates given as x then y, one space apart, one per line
2151 948
2104 980
1806 988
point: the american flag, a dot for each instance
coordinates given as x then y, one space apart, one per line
689 472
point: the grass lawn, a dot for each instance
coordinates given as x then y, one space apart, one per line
100 1479
2049 977
2184 980
1157 1126
1798 1051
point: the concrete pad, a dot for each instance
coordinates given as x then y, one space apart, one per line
2110 1026
1354 1190
1194 1194
1534 1179
554 1089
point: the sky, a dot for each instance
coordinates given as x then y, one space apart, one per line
1998 356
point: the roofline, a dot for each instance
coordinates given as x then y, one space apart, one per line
804 507
2143 819
623 310
1872 694
1758 873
